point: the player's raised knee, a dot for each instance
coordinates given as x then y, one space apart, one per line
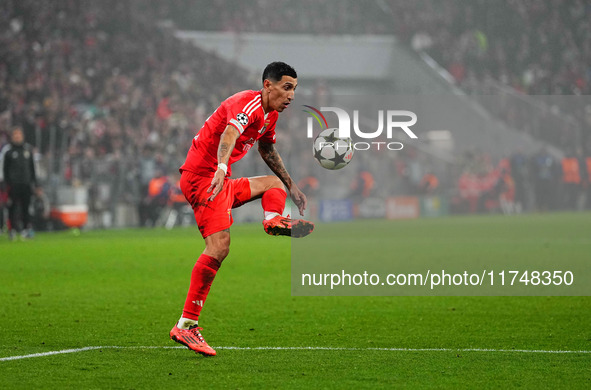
275 182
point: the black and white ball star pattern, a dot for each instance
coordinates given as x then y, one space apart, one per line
242 118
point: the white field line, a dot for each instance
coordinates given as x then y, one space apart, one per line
76 350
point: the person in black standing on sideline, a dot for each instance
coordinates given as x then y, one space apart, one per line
19 175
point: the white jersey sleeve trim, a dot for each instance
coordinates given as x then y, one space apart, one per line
253 101
253 109
237 125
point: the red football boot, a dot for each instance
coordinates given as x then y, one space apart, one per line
281 226
192 339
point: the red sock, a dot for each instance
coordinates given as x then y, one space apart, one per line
201 278
273 200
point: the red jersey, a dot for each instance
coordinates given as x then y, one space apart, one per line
243 111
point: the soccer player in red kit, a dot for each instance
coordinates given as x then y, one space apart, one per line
239 122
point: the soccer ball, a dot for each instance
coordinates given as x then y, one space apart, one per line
332 151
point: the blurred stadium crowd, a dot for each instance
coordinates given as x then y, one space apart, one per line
111 102
536 46
108 99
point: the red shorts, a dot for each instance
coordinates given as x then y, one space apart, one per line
216 215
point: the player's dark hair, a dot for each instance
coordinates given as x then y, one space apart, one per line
276 70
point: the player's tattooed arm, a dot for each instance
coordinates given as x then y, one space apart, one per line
271 156
225 148
227 143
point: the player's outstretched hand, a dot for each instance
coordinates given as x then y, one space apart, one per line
217 183
299 199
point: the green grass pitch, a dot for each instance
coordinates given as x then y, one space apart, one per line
125 289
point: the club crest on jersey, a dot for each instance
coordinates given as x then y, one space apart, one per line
242 118
261 131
